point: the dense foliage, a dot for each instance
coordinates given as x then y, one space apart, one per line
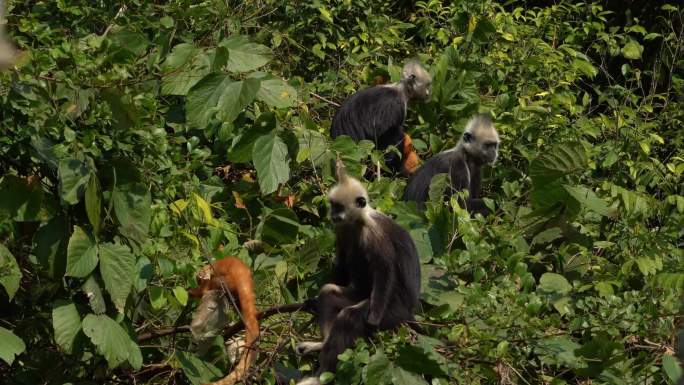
138 140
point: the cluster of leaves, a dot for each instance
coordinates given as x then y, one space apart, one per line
140 139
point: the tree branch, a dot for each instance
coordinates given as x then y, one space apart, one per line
231 330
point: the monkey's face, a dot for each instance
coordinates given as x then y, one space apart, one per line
418 81
348 202
210 315
482 142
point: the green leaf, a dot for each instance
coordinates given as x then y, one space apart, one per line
422 358
588 199
585 67
66 323
421 238
243 55
181 295
11 345
93 202
217 94
404 377
20 198
547 236
554 283
277 93
379 369
271 162
561 351
93 291
10 275
81 254
117 267
183 68
632 50
73 176
111 340
157 297
196 370
127 40
49 246
145 270
672 368
279 226
133 208
312 146
561 160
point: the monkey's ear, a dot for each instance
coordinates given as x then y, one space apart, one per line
339 169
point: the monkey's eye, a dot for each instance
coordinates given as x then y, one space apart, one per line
360 202
467 137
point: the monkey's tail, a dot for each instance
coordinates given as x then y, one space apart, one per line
410 159
246 296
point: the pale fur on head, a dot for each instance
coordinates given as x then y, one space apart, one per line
349 199
480 139
416 80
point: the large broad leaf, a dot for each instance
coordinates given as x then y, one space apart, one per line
422 358
81 254
196 370
672 368
21 198
133 208
117 266
279 226
404 377
10 275
243 143
560 351
632 50
73 176
127 43
561 160
111 340
554 283
93 202
588 199
217 94
11 345
274 91
95 298
271 162
183 68
379 370
243 55
312 147
49 246
66 323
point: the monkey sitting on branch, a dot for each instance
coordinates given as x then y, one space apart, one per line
378 113
220 283
478 146
377 276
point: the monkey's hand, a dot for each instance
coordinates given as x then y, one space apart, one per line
311 305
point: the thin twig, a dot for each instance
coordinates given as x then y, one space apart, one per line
317 96
231 330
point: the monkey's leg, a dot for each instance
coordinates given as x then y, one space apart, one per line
330 301
349 324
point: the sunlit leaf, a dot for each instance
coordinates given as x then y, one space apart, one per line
81 254
117 267
271 161
11 345
10 275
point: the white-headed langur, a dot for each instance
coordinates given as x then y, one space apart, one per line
376 280
479 145
377 114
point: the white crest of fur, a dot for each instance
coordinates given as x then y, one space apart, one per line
413 67
346 191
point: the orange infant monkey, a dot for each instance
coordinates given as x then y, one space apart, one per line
236 277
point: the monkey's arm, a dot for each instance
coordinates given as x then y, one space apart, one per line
384 277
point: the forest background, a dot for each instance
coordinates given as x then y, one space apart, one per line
137 139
